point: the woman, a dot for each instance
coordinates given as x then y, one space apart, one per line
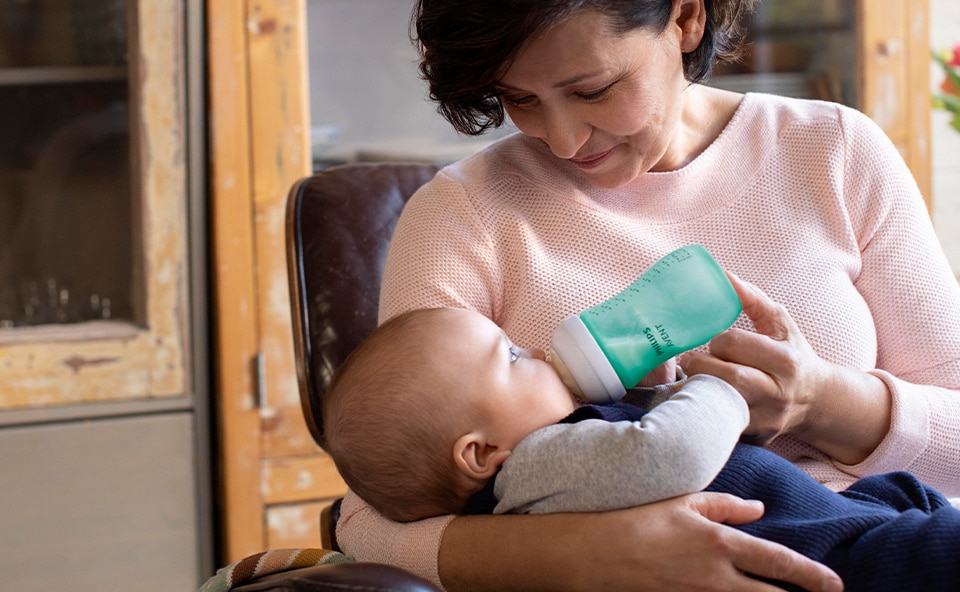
623 156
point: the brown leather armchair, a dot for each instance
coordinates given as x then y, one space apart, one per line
339 224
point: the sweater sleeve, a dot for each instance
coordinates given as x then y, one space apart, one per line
365 534
914 298
679 447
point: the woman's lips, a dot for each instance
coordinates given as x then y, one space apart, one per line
592 161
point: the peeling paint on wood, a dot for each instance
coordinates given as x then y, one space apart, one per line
299 478
290 527
886 104
281 156
78 362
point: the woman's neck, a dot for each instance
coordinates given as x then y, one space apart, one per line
705 112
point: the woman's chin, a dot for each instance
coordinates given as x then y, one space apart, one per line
610 179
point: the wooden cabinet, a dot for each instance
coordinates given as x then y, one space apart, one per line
102 332
894 78
275 479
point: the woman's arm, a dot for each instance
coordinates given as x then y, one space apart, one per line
365 534
678 544
673 545
897 411
853 416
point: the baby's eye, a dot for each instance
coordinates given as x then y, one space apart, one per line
514 353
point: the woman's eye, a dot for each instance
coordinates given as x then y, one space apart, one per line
517 101
595 95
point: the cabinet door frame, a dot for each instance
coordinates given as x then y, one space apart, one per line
260 143
59 370
894 78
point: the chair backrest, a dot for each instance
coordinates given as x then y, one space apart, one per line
339 223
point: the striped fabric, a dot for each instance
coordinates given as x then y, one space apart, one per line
268 562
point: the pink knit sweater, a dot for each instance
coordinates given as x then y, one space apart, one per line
807 200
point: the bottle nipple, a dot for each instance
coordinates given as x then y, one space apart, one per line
565 376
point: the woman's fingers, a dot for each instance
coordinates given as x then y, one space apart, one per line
768 317
751 555
754 350
771 561
774 368
662 374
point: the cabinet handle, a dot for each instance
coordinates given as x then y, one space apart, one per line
889 47
260 372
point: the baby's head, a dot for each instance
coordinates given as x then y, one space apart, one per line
428 407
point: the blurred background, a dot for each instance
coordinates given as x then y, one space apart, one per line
150 428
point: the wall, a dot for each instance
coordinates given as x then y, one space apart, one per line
945 31
364 82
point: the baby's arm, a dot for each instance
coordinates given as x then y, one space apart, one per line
678 447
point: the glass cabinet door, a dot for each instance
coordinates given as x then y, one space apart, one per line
799 48
65 154
92 201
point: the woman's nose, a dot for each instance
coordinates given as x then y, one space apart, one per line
564 133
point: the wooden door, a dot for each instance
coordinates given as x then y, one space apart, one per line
274 478
894 79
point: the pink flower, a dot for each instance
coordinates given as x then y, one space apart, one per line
955 62
949 97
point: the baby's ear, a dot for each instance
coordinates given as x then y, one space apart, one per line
476 457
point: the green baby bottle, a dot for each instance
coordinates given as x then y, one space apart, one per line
681 302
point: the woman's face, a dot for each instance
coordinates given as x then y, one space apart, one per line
610 104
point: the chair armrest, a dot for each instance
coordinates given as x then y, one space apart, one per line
329 517
312 570
340 577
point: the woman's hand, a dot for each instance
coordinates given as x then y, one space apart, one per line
672 545
789 388
662 374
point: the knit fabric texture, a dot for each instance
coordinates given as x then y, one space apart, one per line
269 562
807 200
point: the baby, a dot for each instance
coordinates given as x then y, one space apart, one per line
438 412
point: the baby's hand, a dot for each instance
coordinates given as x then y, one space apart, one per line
663 374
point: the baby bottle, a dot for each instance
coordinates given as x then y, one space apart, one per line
681 302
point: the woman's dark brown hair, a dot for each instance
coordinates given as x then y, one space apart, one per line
465 45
